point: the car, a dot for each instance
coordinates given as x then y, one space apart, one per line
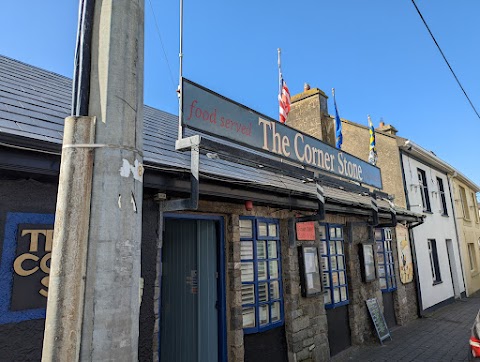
474 341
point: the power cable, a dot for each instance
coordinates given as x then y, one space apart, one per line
163 48
444 58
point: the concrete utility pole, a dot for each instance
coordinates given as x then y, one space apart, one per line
93 303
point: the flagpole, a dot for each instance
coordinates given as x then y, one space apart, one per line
179 89
279 77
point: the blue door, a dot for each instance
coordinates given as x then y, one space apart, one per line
190 306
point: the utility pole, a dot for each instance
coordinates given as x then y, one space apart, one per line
93 303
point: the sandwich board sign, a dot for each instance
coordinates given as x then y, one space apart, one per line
378 320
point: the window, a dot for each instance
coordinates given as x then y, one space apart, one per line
334 273
475 207
422 181
262 299
434 265
443 200
463 200
472 257
385 263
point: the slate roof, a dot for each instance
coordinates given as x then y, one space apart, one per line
34 103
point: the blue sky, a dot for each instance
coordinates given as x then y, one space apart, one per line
376 54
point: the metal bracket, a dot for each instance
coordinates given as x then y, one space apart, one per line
393 214
373 201
191 203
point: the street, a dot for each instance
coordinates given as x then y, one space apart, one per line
440 336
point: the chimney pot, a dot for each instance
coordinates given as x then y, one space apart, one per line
306 87
382 124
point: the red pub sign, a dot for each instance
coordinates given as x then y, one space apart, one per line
305 230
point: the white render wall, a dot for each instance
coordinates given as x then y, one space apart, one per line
435 226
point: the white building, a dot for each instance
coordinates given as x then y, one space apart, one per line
435 242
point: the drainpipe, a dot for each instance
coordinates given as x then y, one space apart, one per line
82 66
450 189
412 245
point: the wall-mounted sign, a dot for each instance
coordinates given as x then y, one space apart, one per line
367 262
310 280
305 230
214 114
404 255
25 266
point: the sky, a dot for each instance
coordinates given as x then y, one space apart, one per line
377 55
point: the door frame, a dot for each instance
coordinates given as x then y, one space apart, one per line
221 287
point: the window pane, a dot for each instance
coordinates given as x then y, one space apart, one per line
263 314
342 279
272 229
381 258
334 279
383 283
246 250
272 249
263 292
381 271
274 290
248 294
323 248
332 247
261 249
275 311
333 262
262 229
380 247
341 264
273 269
322 232
339 232
339 247
246 228
332 232
248 317
343 293
324 263
262 270
247 272
336 295
327 297
326 280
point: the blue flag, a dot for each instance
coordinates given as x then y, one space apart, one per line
338 124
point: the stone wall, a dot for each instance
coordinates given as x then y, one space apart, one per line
305 318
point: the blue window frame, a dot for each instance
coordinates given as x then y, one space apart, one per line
385 260
261 274
334 272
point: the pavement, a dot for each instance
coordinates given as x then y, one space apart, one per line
440 336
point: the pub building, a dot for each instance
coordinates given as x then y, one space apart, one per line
272 254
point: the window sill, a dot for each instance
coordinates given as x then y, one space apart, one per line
437 282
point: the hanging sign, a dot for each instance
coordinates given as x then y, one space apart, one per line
209 112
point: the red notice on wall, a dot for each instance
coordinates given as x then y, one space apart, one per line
305 230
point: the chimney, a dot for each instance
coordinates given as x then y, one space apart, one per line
309 114
387 128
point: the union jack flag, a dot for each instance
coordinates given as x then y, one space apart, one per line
283 100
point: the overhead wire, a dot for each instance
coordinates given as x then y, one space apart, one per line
163 48
444 58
